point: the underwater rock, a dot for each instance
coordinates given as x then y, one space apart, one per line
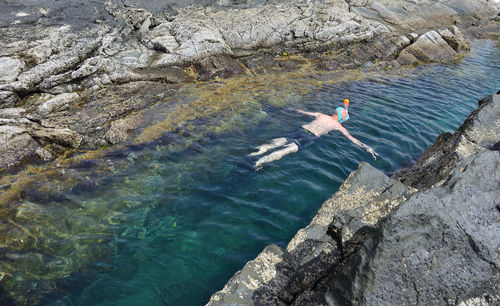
264 63
222 66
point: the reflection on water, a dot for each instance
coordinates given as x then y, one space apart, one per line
170 218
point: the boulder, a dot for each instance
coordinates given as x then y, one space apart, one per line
429 47
222 66
455 39
10 69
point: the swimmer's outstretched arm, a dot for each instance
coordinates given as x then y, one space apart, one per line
308 113
359 143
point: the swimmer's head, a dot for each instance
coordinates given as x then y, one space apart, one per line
341 114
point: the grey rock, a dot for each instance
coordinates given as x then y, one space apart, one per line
12 113
87 68
8 99
121 130
217 66
56 65
10 69
430 47
439 246
62 137
58 102
479 132
16 146
455 39
94 120
44 154
272 264
41 52
384 12
166 43
168 75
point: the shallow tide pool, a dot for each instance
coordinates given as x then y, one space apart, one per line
168 222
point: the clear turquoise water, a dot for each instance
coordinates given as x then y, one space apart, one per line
194 217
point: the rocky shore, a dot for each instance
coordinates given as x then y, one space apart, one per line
77 76
429 235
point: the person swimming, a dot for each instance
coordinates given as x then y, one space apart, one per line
321 125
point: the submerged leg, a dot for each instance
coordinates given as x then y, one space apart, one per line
277 142
276 155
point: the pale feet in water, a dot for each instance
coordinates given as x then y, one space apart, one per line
276 155
277 142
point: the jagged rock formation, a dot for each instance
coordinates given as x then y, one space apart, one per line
479 131
59 59
379 242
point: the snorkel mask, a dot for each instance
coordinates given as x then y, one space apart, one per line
339 114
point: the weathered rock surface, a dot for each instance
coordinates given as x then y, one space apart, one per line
481 130
8 99
9 69
439 247
379 242
69 49
434 47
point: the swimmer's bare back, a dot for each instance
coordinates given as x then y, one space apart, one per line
322 125
325 123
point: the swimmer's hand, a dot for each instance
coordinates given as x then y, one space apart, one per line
372 152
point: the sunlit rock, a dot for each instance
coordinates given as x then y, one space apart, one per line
10 69
430 47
